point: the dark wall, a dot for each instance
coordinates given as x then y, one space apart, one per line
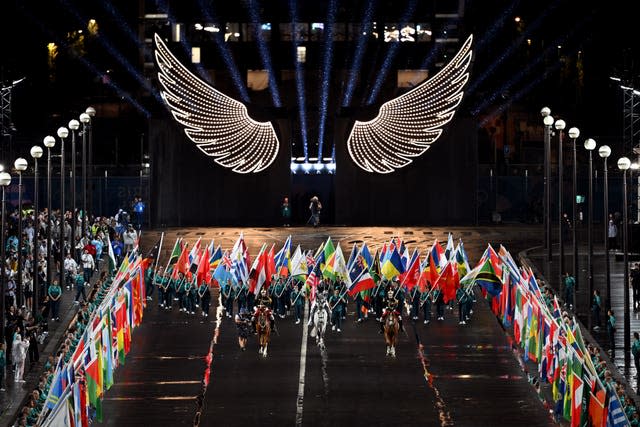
437 188
190 189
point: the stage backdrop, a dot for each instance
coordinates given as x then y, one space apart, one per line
190 189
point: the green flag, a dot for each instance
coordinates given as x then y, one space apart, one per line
112 256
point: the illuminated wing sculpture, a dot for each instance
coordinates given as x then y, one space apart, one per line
406 126
216 123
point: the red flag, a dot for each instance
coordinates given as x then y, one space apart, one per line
181 264
258 273
204 269
433 271
270 267
448 282
410 277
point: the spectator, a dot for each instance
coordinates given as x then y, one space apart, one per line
88 265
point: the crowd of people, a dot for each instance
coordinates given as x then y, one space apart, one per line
27 324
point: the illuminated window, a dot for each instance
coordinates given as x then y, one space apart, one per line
408 33
301 54
195 55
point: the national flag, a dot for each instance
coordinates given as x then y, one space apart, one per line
56 389
597 404
215 257
366 254
91 367
222 273
311 284
182 264
437 255
194 256
449 250
240 260
258 273
270 265
327 250
374 268
175 252
461 260
488 279
111 256
299 263
203 274
576 406
340 266
328 270
448 282
392 265
410 277
352 256
282 259
359 276
615 415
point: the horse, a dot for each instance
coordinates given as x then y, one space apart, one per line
391 329
263 328
319 326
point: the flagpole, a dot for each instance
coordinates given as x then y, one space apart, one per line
155 264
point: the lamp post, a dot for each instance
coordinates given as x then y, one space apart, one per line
5 179
49 142
73 126
604 152
560 125
623 164
36 153
91 112
590 145
86 123
574 133
20 165
63 132
547 119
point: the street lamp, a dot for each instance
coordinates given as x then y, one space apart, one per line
49 142
574 133
91 112
20 165
5 179
605 151
547 119
63 132
73 126
590 145
560 125
36 153
86 123
623 164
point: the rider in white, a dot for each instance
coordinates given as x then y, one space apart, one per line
318 304
391 306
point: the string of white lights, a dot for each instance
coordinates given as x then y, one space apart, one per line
407 125
219 125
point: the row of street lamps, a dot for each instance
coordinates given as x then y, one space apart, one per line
624 164
20 165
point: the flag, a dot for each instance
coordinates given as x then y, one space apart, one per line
597 401
392 265
462 260
488 279
410 277
283 258
327 250
449 250
222 273
359 276
203 274
448 282
175 252
298 263
215 257
352 256
616 416
182 264
437 255
194 256
240 260
112 256
258 273
270 265
340 266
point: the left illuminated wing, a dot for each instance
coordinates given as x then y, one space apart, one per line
406 126
219 125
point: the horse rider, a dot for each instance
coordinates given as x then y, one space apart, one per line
243 323
320 303
263 303
391 306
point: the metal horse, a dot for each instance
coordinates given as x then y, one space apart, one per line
391 329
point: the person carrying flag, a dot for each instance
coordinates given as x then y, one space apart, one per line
338 302
205 297
297 301
425 303
462 298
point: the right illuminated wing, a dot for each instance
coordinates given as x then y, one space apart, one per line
216 123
